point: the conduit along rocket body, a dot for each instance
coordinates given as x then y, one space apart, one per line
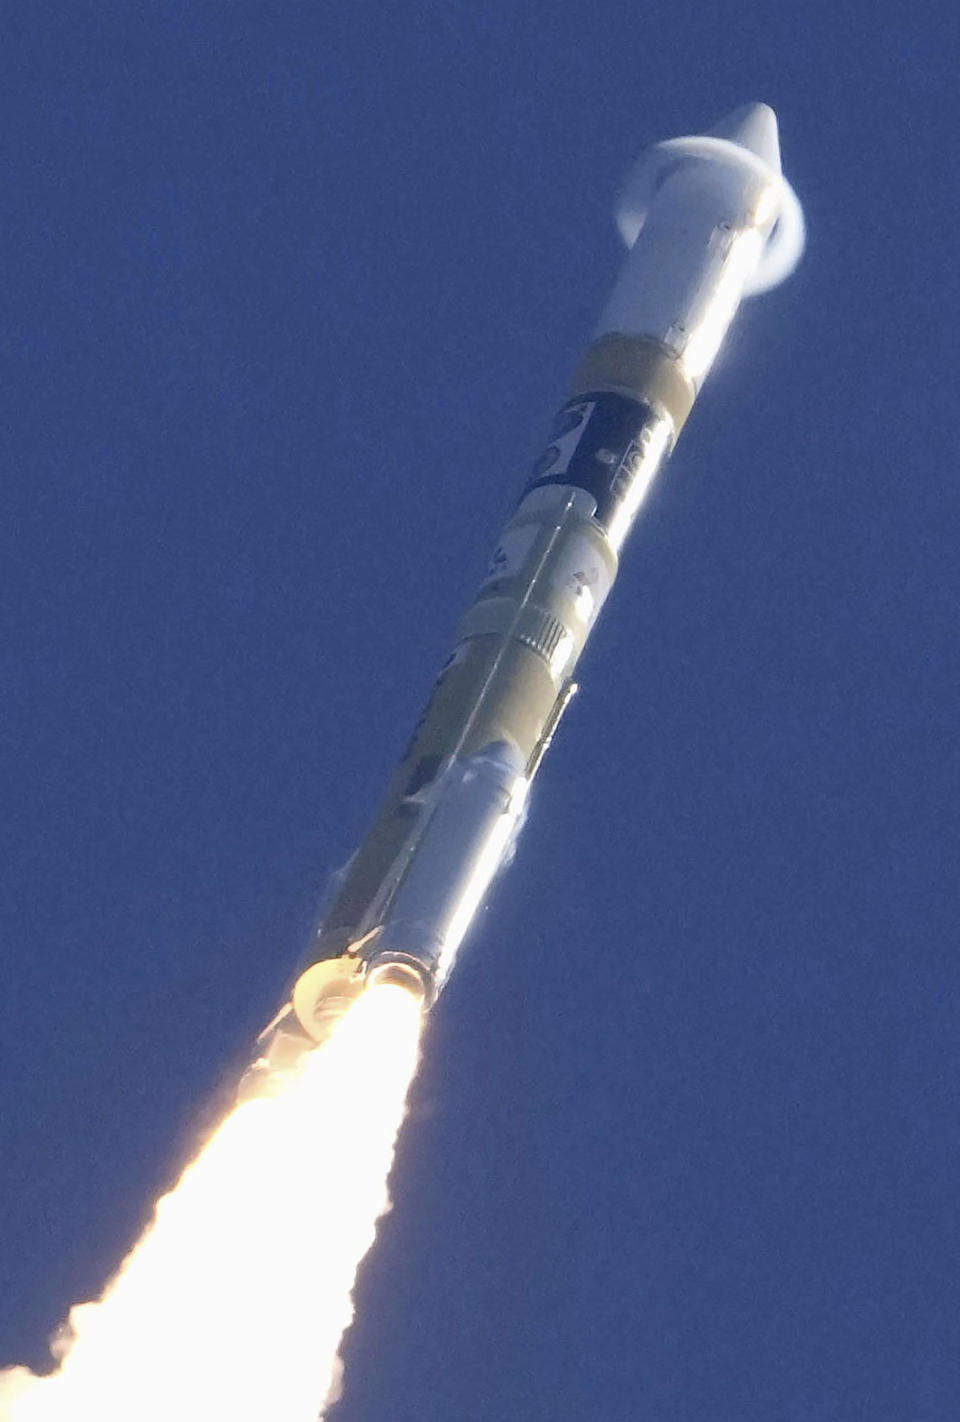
707 220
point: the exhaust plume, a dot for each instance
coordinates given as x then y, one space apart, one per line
234 1301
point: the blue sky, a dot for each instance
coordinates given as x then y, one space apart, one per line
290 293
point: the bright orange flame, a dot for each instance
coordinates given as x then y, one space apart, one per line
234 1301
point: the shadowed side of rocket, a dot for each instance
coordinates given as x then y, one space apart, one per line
707 220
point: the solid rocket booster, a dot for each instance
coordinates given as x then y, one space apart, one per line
707 220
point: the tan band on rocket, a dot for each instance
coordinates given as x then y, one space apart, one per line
640 367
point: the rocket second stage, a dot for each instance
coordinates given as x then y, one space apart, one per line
708 220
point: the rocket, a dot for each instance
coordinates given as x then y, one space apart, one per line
707 220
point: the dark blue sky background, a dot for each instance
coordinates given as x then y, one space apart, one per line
290 292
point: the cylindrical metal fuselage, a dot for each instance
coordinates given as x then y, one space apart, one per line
700 214
457 797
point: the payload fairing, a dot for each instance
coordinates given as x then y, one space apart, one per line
707 220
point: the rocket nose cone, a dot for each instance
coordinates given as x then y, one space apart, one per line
752 126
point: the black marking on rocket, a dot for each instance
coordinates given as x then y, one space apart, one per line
596 444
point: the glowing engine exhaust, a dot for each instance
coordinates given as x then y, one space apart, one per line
233 1303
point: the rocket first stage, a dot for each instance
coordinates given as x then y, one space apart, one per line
707 220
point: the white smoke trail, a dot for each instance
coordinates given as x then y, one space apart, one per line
233 1303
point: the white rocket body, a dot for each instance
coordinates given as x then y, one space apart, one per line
707 221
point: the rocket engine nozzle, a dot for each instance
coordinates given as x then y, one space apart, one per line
321 995
407 973
324 992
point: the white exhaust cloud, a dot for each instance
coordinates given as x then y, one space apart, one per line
234 1301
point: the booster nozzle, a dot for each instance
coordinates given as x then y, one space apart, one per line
324 992
404 972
